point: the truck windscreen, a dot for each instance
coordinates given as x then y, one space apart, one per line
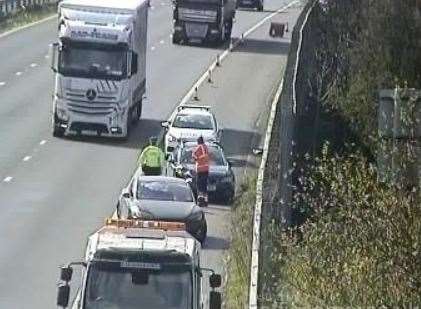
213 2
138 285
93 62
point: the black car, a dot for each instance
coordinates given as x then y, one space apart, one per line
221 181
162 198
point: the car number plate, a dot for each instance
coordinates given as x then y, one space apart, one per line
211 187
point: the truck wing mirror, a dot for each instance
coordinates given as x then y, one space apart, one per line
63 295
215 300
215 281
66 273
54 49
134 63
165 124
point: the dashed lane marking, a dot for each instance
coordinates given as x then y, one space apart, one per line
18 73
8 179
2 84
33 65
27 158
153 48
161 42
43 142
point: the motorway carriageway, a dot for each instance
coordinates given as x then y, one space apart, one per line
55 192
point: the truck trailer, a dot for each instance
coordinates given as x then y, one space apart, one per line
99 63
203 20
140 264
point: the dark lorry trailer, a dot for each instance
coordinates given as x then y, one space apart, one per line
203 20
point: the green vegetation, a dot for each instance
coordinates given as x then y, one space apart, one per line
27 16
360 244
239 258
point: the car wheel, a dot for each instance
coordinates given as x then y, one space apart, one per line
229 197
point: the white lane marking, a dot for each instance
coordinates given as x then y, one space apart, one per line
18 73
47 56
43 142
33 65
161 42
7 179
171 36
152 8
28 25
2 84
162 3
153 48
27 158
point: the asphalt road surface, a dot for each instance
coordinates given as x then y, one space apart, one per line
55 192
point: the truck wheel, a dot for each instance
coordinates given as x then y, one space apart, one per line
228 30
136 112
139 110
175 39
57 131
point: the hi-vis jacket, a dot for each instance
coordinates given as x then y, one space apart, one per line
151 156
201 155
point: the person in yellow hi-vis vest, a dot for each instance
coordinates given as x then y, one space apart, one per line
151 159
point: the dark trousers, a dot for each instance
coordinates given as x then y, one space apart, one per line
151 171
202 182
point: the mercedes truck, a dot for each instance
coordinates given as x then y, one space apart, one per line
99 63
141 264
203 20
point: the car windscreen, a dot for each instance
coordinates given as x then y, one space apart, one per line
193 121
164 191
215 156
117 285
79 60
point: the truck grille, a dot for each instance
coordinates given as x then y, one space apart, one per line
195 30
202 16
103 104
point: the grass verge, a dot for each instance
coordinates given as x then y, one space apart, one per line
239 256
27 16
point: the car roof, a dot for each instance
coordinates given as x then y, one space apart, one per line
118 4
196 111
209 144
165 179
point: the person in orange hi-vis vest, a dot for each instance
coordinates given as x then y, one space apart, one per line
201 156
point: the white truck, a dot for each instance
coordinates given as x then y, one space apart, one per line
140 264
99 63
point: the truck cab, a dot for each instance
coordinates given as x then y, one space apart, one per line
203 20
99 63
140 264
